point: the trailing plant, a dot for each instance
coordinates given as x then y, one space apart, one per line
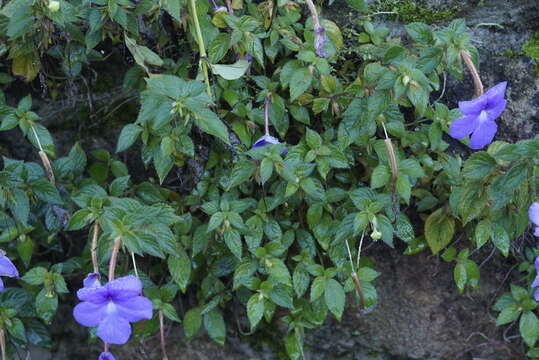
299 160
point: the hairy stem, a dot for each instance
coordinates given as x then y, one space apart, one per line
267 102
475 74
93 249
3 343
162 334
201 48
114 256
314 13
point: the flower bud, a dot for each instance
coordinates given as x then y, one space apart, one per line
405 80
376 235
54 5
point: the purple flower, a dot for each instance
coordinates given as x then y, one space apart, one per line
6 268
320 40
269 140
479 117
106 356
533 214
91 281
112 307
535 283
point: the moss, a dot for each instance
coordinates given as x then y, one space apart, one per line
408 11
531 47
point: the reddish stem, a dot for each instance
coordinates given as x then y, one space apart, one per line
93 249
473 70
113 256
162 333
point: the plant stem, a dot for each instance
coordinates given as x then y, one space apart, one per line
475 74
267 102
44 158
314 13
113 256
3 343
201 48
162 333
93 249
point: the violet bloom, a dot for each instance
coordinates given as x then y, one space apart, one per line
479 117
535 283
320 40
533 214
106 356
6 268
112 307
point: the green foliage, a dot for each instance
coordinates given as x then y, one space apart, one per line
261 227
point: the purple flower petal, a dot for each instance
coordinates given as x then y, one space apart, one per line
92 281
89 314
106 356
320 40
135 309
496 110
483 135
536 295
473 107
7 268
463 126
533 214
96 295
114 329
496 93
535 282
266 140
536 232
124 288
1 285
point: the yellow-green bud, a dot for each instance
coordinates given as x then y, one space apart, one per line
376 235
405 80
54 5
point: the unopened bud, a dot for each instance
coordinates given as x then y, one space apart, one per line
54 5
405 80
376 235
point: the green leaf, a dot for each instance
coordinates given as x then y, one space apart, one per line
313 139
215 221
478 166
404 187
318 287
404 229
180 269
439 230
300 280
501 239
420 33
461 276
367 274
380 176
278 270
192 322
482 232
19 205
173 7
215 326
46 305
508 315
233 71
142 54
128 136
334 297
529 328
210 123
233 242
300 82
46 191
35 276
242 171
255 309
